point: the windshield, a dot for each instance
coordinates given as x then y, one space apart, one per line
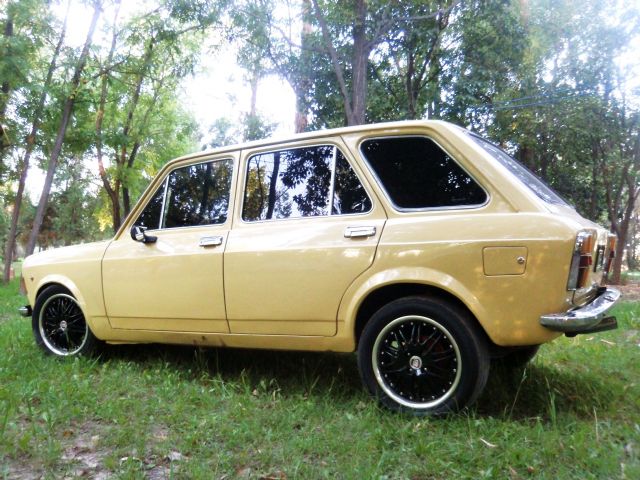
535 184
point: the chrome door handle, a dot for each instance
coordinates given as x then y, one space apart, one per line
357 232
210 241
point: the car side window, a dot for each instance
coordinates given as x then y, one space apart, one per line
349 196
190 196
150 216
297 183
416 173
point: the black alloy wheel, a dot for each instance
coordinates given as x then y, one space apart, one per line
59 325
423 356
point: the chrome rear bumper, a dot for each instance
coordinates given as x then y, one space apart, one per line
586 319
25 311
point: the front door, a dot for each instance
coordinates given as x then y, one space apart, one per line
176 282
307 229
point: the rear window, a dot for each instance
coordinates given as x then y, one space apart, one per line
529 179
417 174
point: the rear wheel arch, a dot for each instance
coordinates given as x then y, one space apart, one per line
386 294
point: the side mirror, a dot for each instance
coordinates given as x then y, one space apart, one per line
139 234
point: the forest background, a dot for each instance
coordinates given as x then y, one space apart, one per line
554 82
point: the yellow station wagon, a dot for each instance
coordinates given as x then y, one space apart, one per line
421 246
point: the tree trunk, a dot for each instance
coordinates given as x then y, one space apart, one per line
126 198
408 84
303 83
6 90
6 85
122 160
62 129
273 186
621 228
335 62
359 64
31 141
112 194
254 93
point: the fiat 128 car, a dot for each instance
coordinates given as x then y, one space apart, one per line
419 245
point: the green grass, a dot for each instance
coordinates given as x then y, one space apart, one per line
178 412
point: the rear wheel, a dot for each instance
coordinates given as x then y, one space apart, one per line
424 356
59 325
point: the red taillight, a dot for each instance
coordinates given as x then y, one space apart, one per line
611 252
581 261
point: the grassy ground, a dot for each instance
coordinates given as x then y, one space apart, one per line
172 412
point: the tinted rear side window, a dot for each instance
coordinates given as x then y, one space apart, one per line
349 196
417 173
288 184
541 189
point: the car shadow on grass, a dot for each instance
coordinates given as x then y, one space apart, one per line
294 373
538 391
543 391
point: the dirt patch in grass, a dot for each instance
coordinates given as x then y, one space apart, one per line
84 453
83 450
630 292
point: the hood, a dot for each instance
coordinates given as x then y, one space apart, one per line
85 251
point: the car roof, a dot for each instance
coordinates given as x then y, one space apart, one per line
311 135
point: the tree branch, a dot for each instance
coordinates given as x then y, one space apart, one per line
334 59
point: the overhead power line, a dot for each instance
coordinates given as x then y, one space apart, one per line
531 101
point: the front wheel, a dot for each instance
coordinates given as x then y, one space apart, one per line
424 356
59 326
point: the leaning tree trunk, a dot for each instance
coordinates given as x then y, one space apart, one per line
121 159
126 196
62 129
31 142
5 90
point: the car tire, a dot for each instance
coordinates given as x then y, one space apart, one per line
59 325
424 356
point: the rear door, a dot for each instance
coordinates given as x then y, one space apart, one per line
307 227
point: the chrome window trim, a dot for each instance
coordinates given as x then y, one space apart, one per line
164 200
336 148
332 182
165 182
422 209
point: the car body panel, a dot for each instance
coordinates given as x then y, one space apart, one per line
299 283
77 268
287 276
291 280
178 283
